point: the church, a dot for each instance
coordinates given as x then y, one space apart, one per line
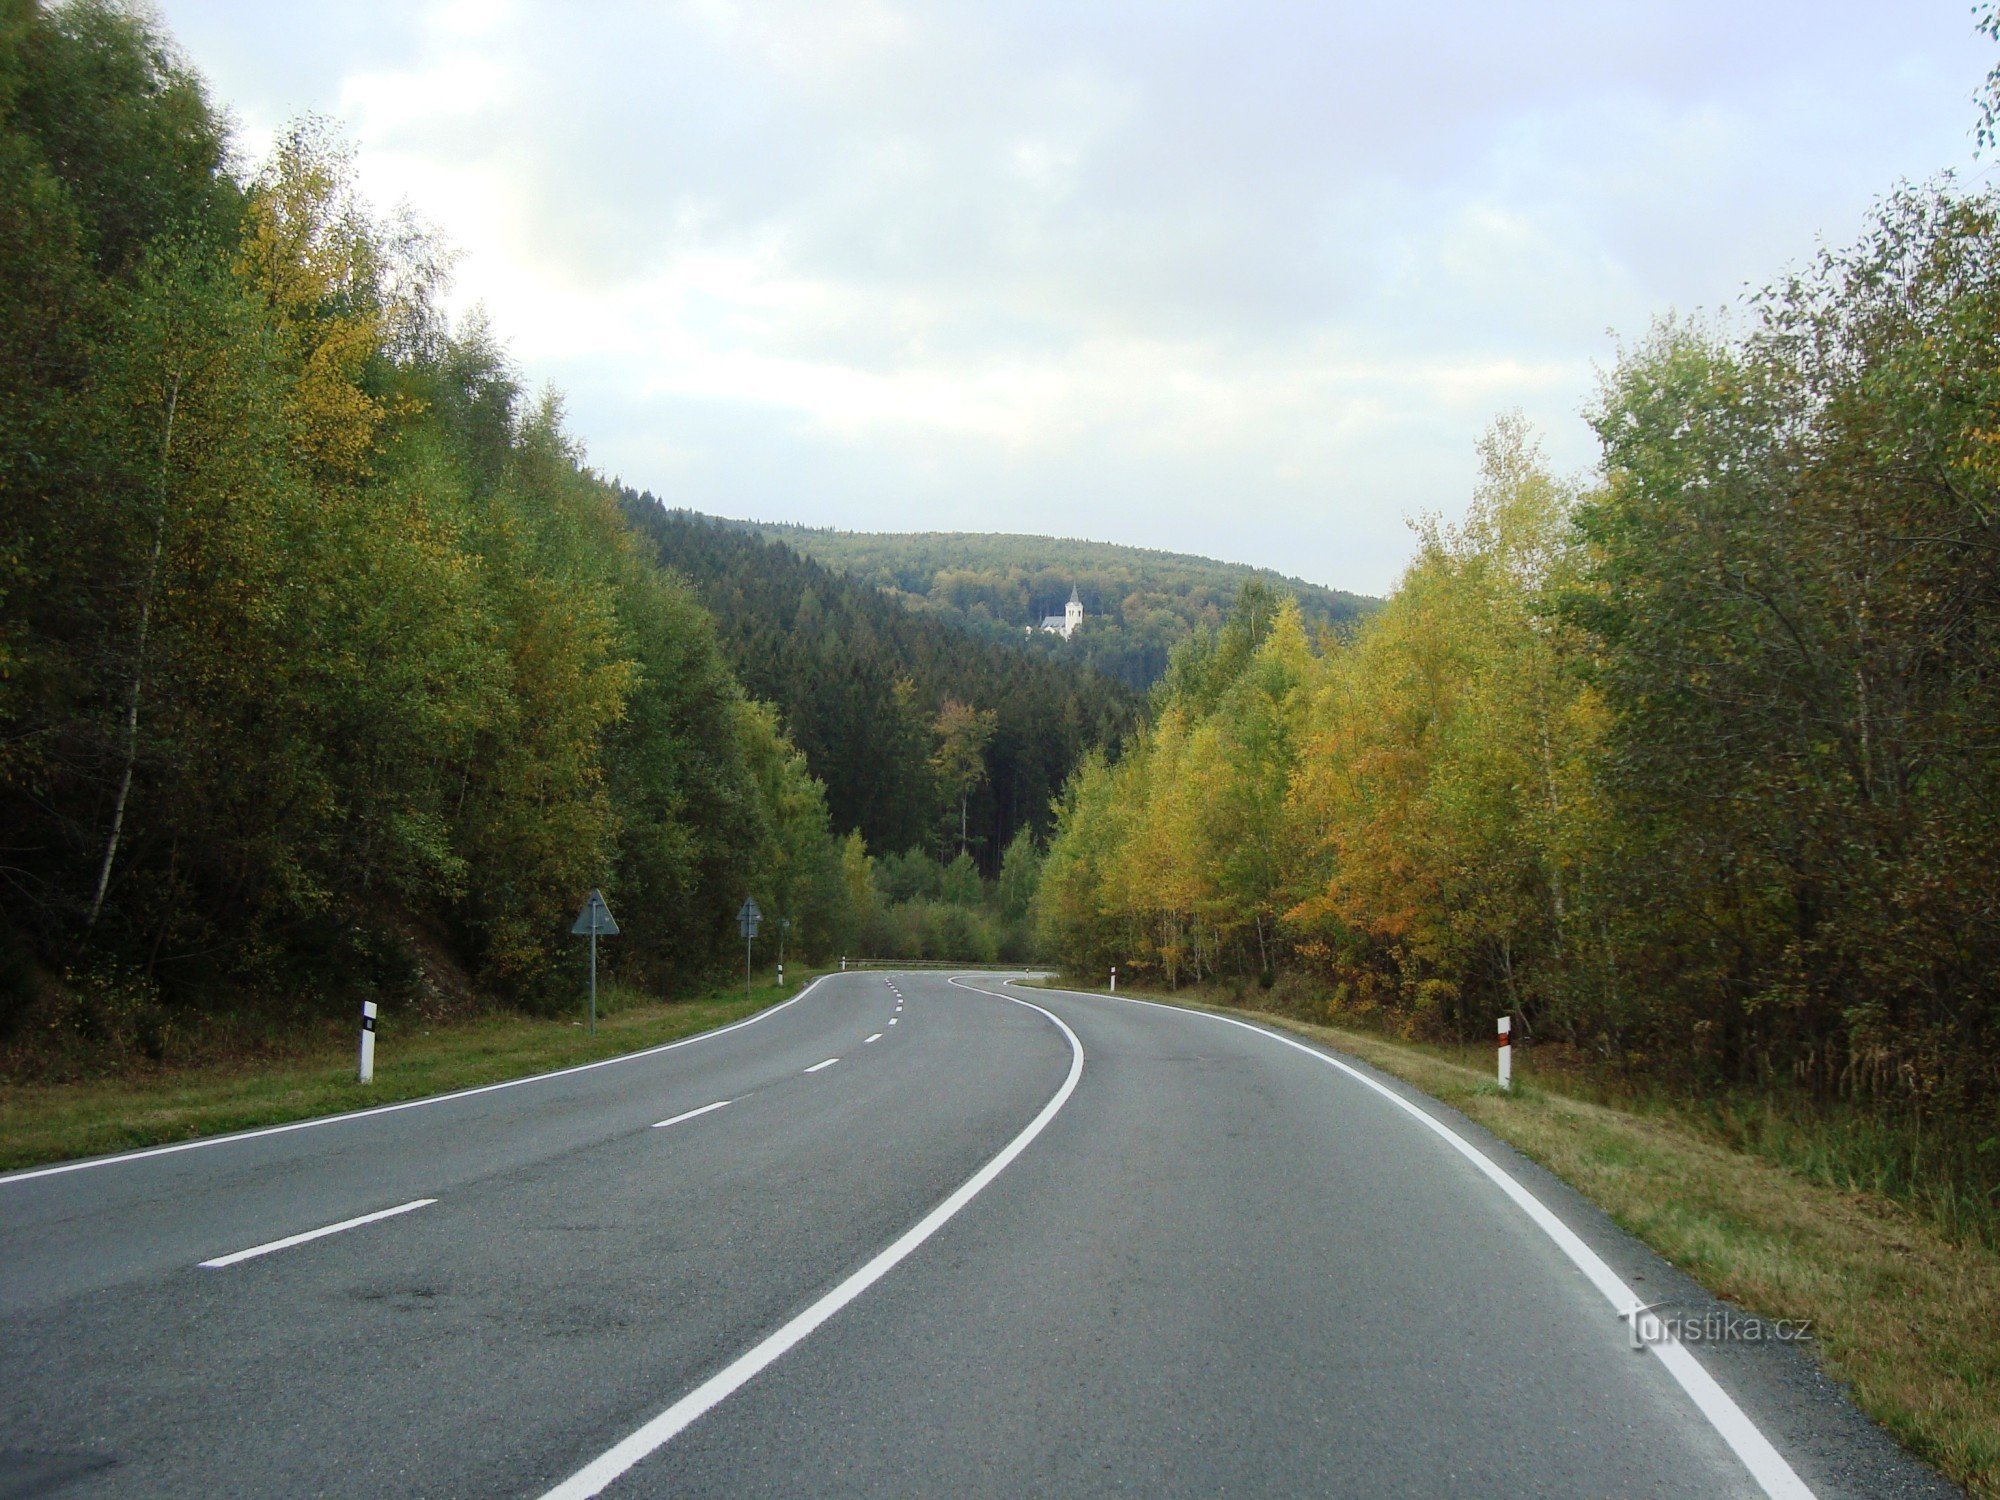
1065 623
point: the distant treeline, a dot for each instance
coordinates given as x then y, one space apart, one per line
1139 604
864 687
1696 769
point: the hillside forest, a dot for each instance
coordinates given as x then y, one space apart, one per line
1693 768
328 666
1138 603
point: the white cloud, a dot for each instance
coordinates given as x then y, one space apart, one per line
1238 278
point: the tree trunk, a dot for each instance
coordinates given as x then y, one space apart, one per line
135 690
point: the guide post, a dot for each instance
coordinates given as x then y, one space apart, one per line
595 918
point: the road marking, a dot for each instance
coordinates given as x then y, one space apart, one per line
592 1478
1766 1465
390 1109
818 1065
892 1020
689 1115
313 1234
875 1038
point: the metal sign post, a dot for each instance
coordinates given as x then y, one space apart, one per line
747 918
595 918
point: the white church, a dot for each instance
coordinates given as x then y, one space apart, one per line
1065 623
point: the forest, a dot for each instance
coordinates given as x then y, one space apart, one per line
1692 768
1139 603
870 691
329 667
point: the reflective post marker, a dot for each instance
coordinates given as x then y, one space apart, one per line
843 963
1507 1052
367 1041
1114 979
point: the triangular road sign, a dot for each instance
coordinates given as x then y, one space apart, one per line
595 918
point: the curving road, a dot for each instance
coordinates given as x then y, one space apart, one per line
907 1234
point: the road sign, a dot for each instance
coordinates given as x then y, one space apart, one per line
748 916
595 919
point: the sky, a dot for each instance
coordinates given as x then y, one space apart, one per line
1240 279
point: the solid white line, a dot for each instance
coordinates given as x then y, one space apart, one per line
875 1038
313 1234
689 1115
1766 1465
390 1109
594 1476
818 1065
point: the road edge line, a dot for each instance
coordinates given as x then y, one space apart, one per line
1746 1440
601 1471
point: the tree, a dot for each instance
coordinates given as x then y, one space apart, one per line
959 762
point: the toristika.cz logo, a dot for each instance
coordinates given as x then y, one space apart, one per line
1648 1324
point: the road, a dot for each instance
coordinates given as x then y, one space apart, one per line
908 1234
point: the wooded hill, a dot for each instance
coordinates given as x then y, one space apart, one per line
864 687
1139 603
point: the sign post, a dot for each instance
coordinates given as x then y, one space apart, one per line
747 917
595 918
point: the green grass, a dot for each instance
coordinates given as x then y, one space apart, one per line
58 1121
1770 1214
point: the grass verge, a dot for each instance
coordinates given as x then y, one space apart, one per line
55 1122
1908 1317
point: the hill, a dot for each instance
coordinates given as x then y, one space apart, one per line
1138 603
861 683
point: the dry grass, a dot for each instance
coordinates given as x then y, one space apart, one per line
55 1122
1908 1317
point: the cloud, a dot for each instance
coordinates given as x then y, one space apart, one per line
1240 278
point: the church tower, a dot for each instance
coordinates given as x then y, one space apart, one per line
1072 614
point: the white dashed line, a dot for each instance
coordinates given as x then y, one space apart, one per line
818 1065
875 1038
595 1476
312 1234
663 1124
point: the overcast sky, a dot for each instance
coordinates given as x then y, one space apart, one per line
1238 279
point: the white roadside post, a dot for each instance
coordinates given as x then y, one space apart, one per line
1507 1052
1114 979
367 1041
843 963
595 918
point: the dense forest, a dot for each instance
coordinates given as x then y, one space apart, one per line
1139 604
1694 768
328 666
925 736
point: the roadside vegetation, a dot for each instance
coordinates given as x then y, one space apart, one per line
311 1070
1693 769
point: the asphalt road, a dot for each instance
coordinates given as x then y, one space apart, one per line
938 1241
